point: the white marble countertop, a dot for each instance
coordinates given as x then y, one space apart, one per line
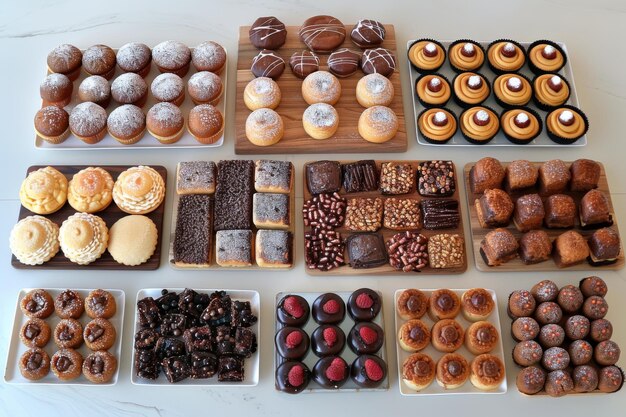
594 33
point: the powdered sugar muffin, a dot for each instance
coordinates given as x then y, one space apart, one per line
90 190
44 191
139 190
83 238
34 240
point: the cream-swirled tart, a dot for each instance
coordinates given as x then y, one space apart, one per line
512 90
545 56
83 238
433 90
550 91
470 89
465 55
34 240
437 125
427 56
139 190
44 191
520 126
479 124
505 56
90 190
566 124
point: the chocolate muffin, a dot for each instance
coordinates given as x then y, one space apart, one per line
585 378
601 330
580 352
606 353
551 335
531 380
577 327
545 290
559 383
525 328
521 304
593 286
611 379
527 353
570 299
548 312
595 307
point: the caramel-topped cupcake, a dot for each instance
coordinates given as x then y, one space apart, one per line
433 90
545 56
437 125
505 56
427 56
512 90
566 124
479 124
466 55
521 125
470 89
550 91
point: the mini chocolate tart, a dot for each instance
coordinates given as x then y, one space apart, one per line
292 377
329 308
328 340
545 56
368 371
331 372
364 304
412 304
413 335
366 337
292 343
293 310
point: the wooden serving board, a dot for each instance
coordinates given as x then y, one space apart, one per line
213 265
110 215
387 269
292 105
478 232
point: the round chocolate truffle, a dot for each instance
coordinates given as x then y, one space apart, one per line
601 330
555 358
364 304
611 379
328 340
525 328
304 63
527 353
551 335
559 383
577 327
293 310
267 64
593 286
268 33
585 378
570 298
530 380
580 352
545 290
292 377
521 304
292 343
595 307
366 337
343 62
322 34
548 312
331 372
368 371
329 308
378 60
606 353
368 33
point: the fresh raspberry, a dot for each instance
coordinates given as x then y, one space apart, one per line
293 339
373 370
337 370
331 307
368 335
364 301
296 376
293 307
330 336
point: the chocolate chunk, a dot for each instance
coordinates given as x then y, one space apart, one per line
194 235
203 365
230 368
360 176
242 314
146 364
233 195
440 214
198 339
176 368
245 342
168 347
173 325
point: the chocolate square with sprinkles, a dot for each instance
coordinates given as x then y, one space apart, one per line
233 195
436 179
193 237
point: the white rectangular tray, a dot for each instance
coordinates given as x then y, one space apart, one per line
434 388
499 140
12 373
310 359
147 142
251 364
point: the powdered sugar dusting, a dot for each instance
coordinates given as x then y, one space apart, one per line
234 245
320 114
515 83
133 56
555 80
209 117
171 54
469 48
566 116
474 81
205 84
508 47
376 83
208 56
482 115
64 53
430 47
167 87
128 88
274 245
265 120
55 82
549 50
126 120
88 119
166 114
263 85
95 87
440 117
521 118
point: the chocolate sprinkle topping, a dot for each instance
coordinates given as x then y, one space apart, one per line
193 236
233 195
